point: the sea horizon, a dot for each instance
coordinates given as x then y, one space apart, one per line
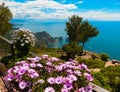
107 40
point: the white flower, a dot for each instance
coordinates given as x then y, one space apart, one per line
24 35
21 40
28 38
26 41
22 44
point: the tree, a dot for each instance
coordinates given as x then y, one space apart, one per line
5 16
87 32
79 31
72 28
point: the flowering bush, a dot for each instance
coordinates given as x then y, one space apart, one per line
23 40
49 74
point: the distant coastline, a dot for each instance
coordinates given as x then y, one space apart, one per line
106 42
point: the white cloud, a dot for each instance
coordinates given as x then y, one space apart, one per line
92 15
32 8
49 4
99 15
39 9
80 2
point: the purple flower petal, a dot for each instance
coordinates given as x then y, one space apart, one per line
49 89
22 85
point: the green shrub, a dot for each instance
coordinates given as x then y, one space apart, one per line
101 80
10 61
7 59
113 77
94 56
72 50
56 52
104 57
111 72
92 63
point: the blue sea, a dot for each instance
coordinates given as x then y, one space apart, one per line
108 40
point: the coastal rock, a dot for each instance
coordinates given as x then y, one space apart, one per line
59 39
44 39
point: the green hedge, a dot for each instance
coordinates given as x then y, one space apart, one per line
108 78
93 63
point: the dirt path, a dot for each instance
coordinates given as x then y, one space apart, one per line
95 70
2 86
109 63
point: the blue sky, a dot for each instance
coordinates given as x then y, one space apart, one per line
62 9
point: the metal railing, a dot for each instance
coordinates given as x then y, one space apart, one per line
6 47
97 88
